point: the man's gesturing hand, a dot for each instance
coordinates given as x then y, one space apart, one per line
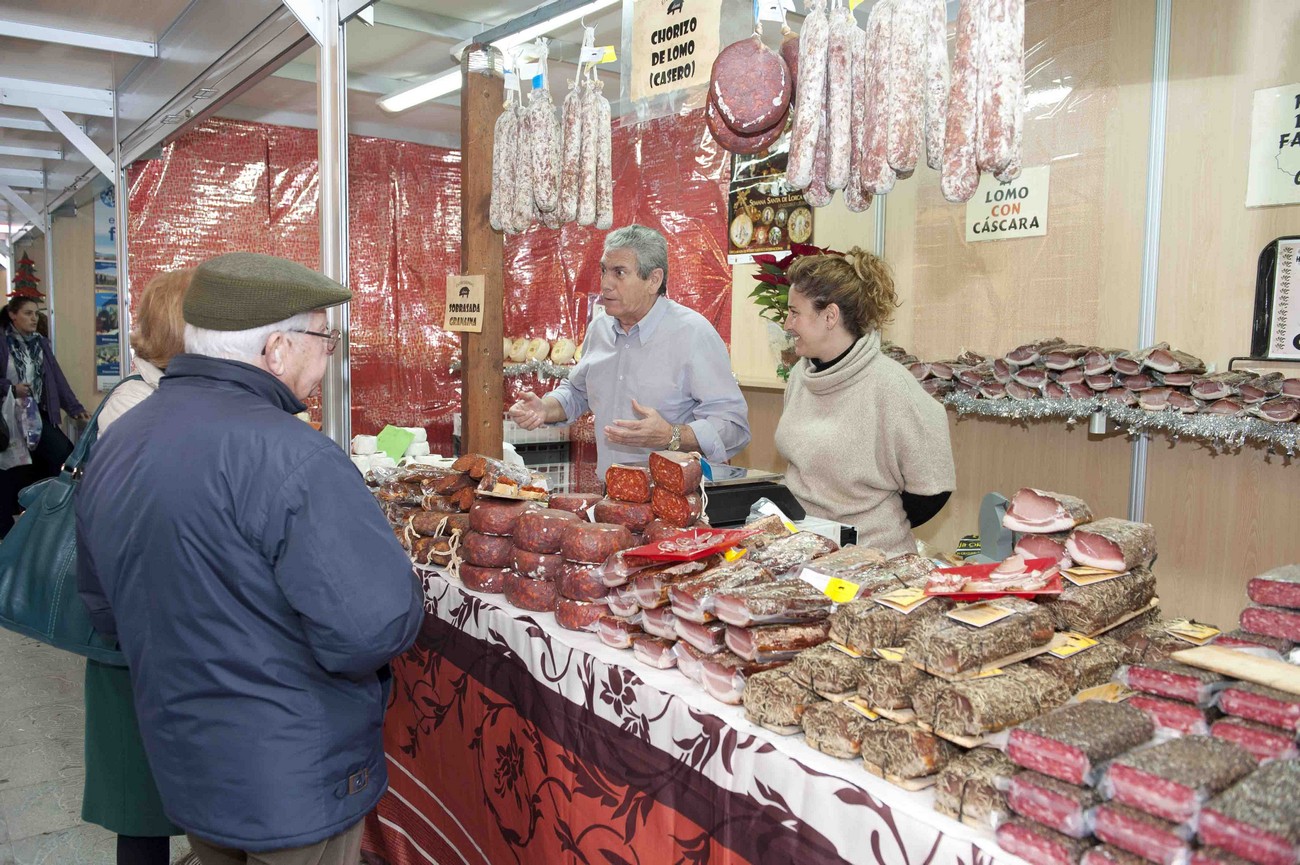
529 412
651 431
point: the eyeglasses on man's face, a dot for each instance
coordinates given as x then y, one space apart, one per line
332 336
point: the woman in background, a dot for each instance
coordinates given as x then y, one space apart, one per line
120 793
866 445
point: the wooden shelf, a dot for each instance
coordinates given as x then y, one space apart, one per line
759 382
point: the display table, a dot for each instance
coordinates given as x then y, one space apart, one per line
510 739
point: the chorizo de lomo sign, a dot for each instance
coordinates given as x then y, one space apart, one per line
1004 211
674 43
464 308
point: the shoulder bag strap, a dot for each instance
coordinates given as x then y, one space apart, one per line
87 438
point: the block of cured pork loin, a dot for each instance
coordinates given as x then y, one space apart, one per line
1257 819
948 647
1264 742
1143 834
828 671
1087 669
1064 356
972 787
688 660
776 642
1095 607
654 651
650 587
1178 716
660 622
1074 742
775 701
1174 779
785 554
1240 639
622 603
1263 704
1171 360
1272 621
1104 854
1050 546
1113 544
1174 680
835 728
772 603
692 599
724 675
905 750
1032 352
1042 512
1099 361
977 706
709 637
766 530
1279 409
1062 807
1149 642
864 625
617 633
1035 843
1279 587
889 684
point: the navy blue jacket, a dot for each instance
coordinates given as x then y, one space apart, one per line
258 594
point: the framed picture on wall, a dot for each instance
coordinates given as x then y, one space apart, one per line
1276 330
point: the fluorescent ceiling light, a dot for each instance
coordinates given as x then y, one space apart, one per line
449 82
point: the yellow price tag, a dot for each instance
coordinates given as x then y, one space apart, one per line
609 56
1072 644
894 655
858 705
841 591
989 673
735 553
1192 632
854 4
902 600
1111 692
840 647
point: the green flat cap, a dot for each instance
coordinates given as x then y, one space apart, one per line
244 290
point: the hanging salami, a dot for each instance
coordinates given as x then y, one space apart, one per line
504 146
545 134
839 97
877 177
959 172
814 45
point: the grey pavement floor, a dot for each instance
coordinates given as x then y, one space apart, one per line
42 765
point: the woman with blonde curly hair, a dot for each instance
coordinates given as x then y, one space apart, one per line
866 445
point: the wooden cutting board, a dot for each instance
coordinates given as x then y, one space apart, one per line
1239 665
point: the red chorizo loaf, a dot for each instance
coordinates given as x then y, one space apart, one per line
490 516
574 503
487 551
676 472
635 515
627 483
592 543
734 142
538 566
579 615
490 580
581 583
750 85
542 531
539 596
679 511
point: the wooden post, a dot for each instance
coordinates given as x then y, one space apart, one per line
482 397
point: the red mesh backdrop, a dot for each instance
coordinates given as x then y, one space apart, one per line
233 185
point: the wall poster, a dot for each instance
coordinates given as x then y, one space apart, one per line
764 214
108 361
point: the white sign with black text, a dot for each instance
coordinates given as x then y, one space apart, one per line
1005 211
1274 147
464 309
673 45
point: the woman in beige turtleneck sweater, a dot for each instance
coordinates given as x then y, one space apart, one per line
866 445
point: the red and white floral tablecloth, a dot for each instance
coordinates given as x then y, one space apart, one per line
510 739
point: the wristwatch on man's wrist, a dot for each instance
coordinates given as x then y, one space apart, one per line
675 440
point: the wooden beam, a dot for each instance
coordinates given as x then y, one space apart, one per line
482 398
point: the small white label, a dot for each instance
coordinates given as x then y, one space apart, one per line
512 81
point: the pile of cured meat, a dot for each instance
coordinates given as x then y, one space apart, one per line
1155 379
553 169
871 103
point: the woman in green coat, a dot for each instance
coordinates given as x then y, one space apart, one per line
120 792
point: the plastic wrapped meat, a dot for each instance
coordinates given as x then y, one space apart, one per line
709 638
622 603
723 675
1239 639
617 633
785 554
688 660
650 587
775 701
772 603
579 615
864 625
776 642
1143 834
654 651
828 671
1113 544
1089 668
1074 742
1174 680
848 562
1273 621
1042 512
1104 854
1149 642
1186 719
952 647
1174 779
1258 818
904 750
1094 608
1215 856
1039 845
1261 740
972 787
767 530
692 599
869 569
1262 704
889 684
1279 587
660 622
835 729
1062 807
977 706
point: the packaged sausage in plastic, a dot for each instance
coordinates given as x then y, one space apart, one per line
1261 740
1173 779
1174 681
1065 808
1272 621
1279 587
1258 819
776 642
1263 704
1035 843
1073 743
1144 834
1176 716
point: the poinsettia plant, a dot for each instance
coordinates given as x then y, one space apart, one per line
772 294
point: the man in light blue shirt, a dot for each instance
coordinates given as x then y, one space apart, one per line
655 374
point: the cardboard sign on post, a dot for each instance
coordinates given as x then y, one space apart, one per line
464 307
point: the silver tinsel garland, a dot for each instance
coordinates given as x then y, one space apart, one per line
1219 432
541 368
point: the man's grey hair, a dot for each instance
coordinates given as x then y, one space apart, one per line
649 245
244 345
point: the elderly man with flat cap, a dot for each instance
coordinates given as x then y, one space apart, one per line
255 589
